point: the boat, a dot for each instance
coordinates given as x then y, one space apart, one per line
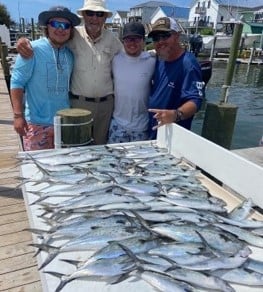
224 41
206 69
224 34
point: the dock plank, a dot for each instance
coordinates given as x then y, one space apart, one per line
17 263
18 267
11 251
19 279
13 227
13 238
10 218
12 209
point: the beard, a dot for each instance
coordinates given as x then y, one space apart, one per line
93 29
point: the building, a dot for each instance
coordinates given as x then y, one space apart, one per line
120 17
209 13
253 20
143 12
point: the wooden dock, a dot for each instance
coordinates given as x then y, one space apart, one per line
18 267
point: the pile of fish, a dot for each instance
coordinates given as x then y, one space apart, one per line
140 213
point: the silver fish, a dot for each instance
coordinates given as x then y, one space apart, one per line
101 268
240 276
221 262
164 283
242 211
254 265
197 204
243 234
200 279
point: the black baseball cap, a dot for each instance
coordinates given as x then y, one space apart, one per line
133 29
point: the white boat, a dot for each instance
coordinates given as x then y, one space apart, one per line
224 34
224 41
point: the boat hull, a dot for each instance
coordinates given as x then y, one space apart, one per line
224 41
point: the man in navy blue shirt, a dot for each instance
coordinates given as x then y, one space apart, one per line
177 91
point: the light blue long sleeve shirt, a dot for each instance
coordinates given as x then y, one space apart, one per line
45 79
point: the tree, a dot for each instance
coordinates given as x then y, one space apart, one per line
4 16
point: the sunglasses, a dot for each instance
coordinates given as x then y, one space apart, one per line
92 13
161 36
134 39
59 24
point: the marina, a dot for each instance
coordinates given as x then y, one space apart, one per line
246 93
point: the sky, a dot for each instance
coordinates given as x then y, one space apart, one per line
31 8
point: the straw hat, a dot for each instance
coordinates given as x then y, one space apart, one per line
95 5
58 11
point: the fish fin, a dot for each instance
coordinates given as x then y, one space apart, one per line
72 262
60 276
55 274
215 252
49 258
44 247
144 224
42 198
132 255
117 280
36 230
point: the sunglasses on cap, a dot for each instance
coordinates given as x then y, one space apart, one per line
92 13
60 24
161 36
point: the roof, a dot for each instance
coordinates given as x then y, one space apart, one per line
240 3
154 4
176 12
122 14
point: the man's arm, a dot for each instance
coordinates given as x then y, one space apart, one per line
24 48
20 124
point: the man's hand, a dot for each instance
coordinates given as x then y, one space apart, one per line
24 48
20 126
163 117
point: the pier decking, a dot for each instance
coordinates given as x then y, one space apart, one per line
18 267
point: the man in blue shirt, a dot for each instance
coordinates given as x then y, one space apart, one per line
177 91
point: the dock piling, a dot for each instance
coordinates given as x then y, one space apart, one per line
220 118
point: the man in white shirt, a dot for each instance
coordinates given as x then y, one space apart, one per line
132 76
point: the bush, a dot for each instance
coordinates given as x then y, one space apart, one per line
207 31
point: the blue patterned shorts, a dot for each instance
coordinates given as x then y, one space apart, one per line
118 134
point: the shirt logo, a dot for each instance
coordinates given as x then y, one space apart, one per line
199 86
171 84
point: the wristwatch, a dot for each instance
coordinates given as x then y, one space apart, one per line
179 115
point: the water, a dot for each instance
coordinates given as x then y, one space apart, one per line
246 92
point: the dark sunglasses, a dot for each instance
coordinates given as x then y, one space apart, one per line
92 13
132 39
161 36
59 24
